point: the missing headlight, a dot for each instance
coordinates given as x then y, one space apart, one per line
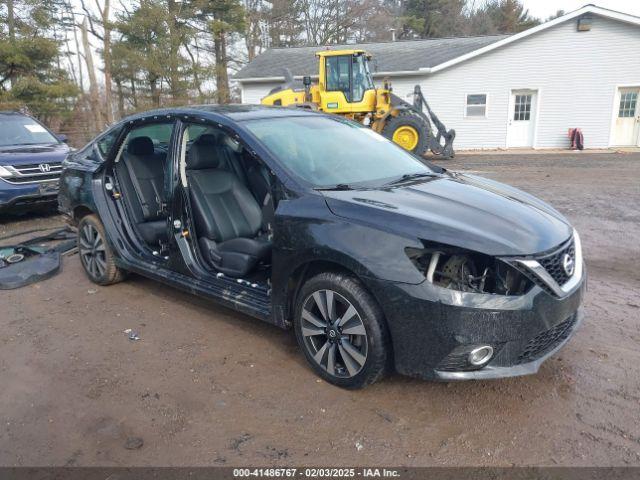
467 271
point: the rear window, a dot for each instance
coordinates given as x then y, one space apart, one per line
22 130
107 140
160 133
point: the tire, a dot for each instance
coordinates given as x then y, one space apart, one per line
409 120
359 344
96 255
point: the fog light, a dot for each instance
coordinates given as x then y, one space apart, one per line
481 355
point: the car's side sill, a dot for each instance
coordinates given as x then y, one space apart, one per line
254 301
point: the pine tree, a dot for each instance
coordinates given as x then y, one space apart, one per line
431 18
221 18
148 51
31 75
510 16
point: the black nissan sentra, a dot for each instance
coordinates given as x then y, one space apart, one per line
378 261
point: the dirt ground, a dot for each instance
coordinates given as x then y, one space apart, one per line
207 386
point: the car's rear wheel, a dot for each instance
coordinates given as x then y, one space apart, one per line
95 254
341 330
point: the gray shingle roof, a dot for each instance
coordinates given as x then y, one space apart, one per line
410 55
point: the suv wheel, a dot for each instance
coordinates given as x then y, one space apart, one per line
95 254
342 331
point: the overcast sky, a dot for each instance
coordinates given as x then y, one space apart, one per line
545 8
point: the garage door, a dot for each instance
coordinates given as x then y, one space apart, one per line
254 93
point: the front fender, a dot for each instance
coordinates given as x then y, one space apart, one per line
307 231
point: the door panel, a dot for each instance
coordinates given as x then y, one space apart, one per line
522 116
627 126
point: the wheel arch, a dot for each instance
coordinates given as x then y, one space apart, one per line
81 211
308 269
305 271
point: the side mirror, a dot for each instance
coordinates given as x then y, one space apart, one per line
62 137
306 81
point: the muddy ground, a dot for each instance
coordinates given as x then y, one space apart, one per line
207 386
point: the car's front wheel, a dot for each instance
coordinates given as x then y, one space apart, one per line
341 330
95 253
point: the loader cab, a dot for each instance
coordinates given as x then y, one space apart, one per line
345 82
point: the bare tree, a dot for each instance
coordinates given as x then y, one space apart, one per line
94 97
104 11
330 21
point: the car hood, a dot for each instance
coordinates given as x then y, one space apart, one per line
28 154
459 210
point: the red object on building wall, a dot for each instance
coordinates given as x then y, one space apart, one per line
576 138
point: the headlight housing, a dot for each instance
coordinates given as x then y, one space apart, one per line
467 271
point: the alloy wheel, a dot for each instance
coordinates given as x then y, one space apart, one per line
92 250
334 333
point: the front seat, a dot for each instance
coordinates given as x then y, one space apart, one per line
228 218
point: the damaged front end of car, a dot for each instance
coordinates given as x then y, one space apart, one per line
488 316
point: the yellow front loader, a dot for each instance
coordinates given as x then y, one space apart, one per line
345 87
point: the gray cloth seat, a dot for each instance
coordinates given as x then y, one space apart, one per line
141 173
228 219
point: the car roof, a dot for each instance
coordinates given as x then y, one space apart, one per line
236 112
9 112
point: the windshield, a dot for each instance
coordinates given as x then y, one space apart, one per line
326 152
22 130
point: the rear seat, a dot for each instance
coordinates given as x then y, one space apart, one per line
141 172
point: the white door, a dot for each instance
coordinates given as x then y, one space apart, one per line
522 118
627 124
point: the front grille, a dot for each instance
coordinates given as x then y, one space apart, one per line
34 173
39 178
547 341
553 263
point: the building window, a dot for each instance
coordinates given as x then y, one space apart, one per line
628 103
476 105
522 108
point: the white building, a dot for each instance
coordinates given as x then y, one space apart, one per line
524 90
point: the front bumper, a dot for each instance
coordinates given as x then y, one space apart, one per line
430 327
495 370
15 196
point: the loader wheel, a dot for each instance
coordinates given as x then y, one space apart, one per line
409 131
